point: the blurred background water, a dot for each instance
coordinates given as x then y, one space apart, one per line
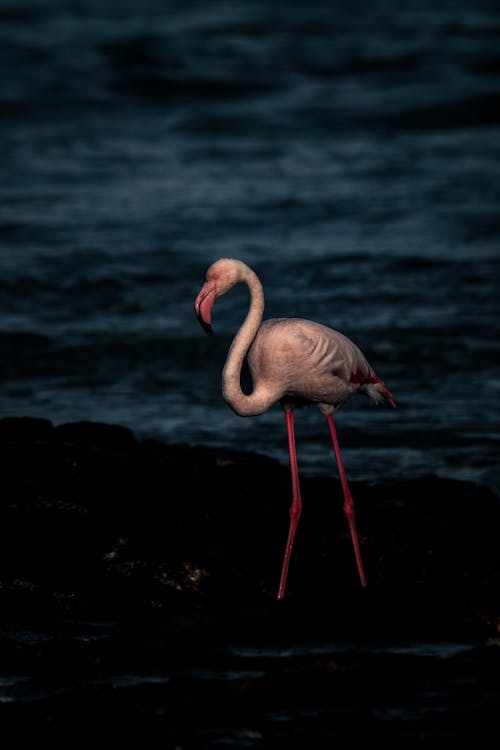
349 152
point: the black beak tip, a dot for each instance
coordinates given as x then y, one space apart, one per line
206 326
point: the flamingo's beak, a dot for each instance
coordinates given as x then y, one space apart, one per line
203 305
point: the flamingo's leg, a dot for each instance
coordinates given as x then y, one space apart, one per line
296 506
348 507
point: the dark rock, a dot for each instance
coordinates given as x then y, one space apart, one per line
135 556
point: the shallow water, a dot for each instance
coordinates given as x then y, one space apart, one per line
265 695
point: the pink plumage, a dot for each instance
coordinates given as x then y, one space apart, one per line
295 362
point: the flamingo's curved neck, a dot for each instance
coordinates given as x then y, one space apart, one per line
255 402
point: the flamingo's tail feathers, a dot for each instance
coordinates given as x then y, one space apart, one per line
378 392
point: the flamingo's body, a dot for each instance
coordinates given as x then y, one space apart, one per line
295 362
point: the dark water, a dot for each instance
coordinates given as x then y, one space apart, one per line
349 152
261 697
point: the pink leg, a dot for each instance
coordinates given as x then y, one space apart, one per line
296 507
348 501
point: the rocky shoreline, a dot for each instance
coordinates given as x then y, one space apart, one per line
133 557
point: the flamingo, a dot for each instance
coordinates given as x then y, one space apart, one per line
296 362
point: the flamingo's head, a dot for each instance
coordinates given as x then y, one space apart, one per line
220 278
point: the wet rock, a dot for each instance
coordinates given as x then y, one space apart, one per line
125 557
